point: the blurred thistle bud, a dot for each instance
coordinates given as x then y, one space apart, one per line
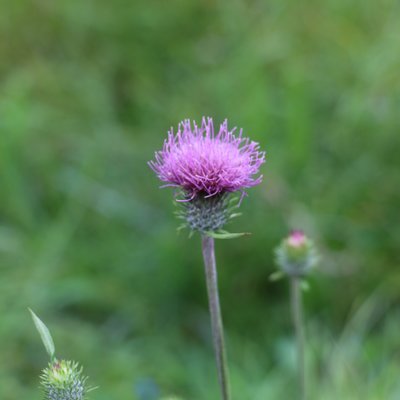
63 380
296 254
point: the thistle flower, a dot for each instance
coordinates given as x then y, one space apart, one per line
63 380
206 167
296 255
207 164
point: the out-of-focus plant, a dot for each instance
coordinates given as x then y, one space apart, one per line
62 379
296 256
206 168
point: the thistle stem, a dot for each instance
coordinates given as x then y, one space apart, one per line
215 313
297 315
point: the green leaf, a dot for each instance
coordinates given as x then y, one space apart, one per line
276 276
44 334
305 286
226 235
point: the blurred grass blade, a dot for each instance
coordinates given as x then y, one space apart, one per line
44 334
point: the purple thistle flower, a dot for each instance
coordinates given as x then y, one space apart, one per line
208 164
208 167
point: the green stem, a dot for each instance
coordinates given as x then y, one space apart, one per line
215 313
297 315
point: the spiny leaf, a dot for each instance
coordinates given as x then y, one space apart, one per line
44 334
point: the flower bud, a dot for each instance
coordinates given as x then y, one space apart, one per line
63 380
296 255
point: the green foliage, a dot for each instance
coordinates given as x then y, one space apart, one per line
222 234
88 92
45 334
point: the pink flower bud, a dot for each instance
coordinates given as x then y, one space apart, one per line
296 238
296 255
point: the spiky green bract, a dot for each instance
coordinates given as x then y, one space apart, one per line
64 380
296 255
208 215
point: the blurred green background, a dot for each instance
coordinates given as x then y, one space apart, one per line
88 90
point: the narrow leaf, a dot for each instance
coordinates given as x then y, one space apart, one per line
226 235
44 334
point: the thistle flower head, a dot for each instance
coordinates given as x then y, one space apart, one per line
202 162
63 380
207 166
296 254
296 239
